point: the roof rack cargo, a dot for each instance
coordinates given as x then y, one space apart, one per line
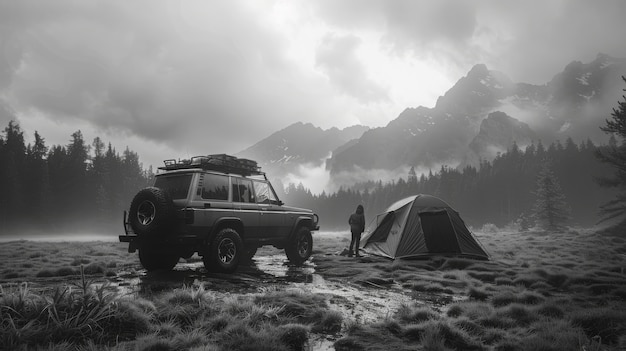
216 162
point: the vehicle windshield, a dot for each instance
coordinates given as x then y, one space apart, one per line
177 186
263 193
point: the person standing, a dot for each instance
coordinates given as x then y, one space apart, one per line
357 226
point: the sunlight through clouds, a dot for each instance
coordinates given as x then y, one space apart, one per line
219 76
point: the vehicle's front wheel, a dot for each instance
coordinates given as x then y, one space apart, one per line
300 247
154 261
225 252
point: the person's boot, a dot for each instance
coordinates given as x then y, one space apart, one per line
357 254
350 253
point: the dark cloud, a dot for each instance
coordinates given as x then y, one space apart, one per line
422 27
430 25
531 40
336 56
159 70
219 76
544 36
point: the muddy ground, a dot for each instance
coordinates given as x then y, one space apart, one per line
348 282
573 271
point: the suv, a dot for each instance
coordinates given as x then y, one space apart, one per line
218 206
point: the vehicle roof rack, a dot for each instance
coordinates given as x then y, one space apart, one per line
217 162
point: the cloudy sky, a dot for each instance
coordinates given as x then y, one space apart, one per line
178 78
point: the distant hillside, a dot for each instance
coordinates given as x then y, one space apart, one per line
497 133
299 144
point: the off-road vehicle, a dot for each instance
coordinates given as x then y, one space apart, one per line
221 207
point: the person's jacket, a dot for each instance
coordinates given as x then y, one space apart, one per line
357 222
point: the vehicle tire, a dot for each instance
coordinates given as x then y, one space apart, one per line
151 212
299 249
153 261
225 252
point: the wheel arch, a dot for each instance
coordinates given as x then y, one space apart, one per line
227 222
302 221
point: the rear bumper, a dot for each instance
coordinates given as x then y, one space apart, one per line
182 243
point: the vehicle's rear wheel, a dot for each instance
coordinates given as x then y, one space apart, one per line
300 247
151 212
154 261
225 252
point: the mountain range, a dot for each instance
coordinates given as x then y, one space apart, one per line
300 144
484 113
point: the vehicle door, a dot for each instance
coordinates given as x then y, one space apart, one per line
212 199
246 208
274 221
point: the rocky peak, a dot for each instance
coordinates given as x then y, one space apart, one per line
498 132
479 71
476 93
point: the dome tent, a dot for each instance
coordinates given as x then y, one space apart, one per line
418 226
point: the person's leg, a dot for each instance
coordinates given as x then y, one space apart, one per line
357 244
350 252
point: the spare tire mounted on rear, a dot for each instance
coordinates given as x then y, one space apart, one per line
151 212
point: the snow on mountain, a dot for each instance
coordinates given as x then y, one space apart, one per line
298 144
573 104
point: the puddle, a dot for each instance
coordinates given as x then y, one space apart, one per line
263 270
356 303
320 343
277 266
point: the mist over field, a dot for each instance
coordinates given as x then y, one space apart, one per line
63 237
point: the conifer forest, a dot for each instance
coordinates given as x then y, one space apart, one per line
502 192
86 186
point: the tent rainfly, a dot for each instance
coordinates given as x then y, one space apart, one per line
418 226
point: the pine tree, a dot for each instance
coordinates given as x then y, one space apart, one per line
12 163
36 176
550 210
412 179
78 194
615 155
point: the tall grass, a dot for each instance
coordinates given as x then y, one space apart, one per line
70 314
607 323
184 318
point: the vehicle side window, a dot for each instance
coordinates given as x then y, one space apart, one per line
176 186
242 190
215 187
264 193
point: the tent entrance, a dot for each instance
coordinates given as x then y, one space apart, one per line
439 233
382 231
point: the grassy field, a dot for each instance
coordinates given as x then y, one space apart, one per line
540 291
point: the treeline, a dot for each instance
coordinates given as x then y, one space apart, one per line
501 191
77 186
82 186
